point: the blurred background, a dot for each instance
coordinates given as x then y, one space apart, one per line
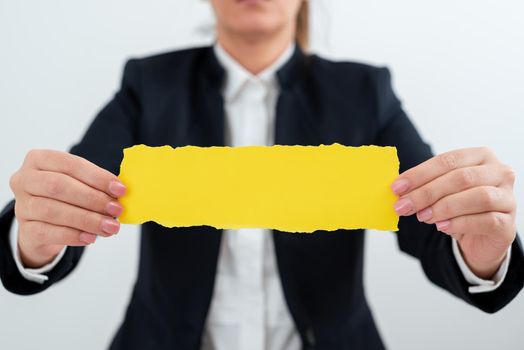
457 66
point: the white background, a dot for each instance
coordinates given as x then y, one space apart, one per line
457 65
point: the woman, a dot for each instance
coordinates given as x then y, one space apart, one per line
201 288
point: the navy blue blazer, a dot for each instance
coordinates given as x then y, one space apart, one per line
175 99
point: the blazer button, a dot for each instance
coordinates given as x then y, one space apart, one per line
310 337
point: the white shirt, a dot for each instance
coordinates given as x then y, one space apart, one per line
248 309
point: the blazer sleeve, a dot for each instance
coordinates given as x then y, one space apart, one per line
113 129
423 241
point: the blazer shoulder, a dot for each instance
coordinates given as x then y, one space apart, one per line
171 57
365 81
170 64
156 74
343 68
350 72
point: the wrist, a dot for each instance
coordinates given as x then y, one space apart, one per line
481 268
38 256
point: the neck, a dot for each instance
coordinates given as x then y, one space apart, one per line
258 52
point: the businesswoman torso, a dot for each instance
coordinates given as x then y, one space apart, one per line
202 288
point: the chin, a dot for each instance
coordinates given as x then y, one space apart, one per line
256 24
254 17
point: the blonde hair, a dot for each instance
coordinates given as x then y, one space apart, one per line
302 31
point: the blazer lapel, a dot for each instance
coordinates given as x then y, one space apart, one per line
206 126
295 122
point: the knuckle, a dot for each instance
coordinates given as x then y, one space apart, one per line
443 209
509 174
449 161
14 181
53 186
32 155
35 155
488 152
489 196
427 196
497 221
465 178
93 200
85 221
68 163
89 222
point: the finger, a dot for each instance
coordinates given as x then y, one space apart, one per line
62 214
69 190
476 224
439 165
48 234
509 176
472 201
455 181
78 168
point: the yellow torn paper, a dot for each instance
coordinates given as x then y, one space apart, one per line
289 188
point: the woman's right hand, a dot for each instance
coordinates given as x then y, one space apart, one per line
62 200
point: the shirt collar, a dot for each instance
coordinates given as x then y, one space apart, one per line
237 75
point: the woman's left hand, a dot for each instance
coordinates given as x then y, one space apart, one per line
468 194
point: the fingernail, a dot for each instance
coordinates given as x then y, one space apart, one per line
443 225
403 206
117 188
87 237
114 209
400 186
424 215
110 226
